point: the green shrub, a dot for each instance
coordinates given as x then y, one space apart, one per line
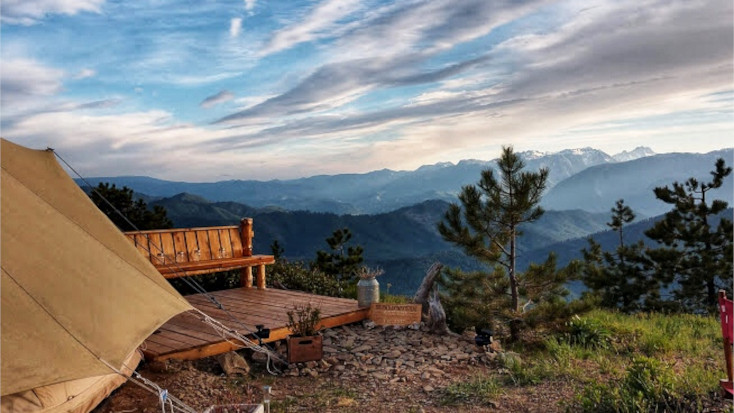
295 276
587 333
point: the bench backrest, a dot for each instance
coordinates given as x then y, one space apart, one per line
190 245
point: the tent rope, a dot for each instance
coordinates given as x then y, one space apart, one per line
174 403
218 326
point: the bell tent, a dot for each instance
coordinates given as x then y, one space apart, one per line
77 297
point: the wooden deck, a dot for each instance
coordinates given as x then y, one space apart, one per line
185 337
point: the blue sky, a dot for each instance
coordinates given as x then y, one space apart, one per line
205 90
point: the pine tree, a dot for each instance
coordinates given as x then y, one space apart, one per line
486 226
695 254
137 212
342 261
620 279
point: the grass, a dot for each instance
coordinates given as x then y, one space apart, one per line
621 363
479 390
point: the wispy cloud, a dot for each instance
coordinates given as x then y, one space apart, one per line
319 22
221 97
250 4
235 25
26 12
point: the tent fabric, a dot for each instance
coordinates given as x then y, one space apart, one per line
75 291
74 396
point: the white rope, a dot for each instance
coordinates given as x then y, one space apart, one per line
174 403
226 333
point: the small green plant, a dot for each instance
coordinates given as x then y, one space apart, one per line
303 320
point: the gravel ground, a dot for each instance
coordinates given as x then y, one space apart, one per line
364 369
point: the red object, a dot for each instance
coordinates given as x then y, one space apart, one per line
725 310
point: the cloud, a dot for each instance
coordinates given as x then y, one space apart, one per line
27 12
85 73
235 25
250 4
24 81
339 83
320 22
221 97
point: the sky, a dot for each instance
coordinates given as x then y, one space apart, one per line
209 90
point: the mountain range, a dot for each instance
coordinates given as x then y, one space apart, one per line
393 215
374 192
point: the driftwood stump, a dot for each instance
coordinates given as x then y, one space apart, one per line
427 296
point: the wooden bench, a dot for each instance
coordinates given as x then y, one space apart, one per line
182 252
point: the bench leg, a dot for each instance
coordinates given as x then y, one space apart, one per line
246 277
261 276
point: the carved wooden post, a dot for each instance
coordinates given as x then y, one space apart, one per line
261 276
246 277
246 234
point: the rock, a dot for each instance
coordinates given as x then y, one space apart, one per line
309 372
393 354
434 371
311 364
329 349
415 326
158 366
232 363
369 324
428 388
259 357
362 349
380 376
426 375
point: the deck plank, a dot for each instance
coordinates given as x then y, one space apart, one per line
186 337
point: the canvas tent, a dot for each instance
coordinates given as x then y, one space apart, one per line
75 293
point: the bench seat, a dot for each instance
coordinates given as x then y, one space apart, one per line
183 252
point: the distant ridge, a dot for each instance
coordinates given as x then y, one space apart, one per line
373 192
597 188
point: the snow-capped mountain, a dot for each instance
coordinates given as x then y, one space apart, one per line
637 153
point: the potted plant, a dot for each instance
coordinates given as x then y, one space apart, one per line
305 343
368 289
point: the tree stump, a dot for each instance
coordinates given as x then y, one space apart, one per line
422 295
427 296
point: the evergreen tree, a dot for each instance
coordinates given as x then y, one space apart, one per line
620 279
137 212
695 254
342 261
277 250
486 226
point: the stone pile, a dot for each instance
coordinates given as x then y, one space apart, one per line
391 355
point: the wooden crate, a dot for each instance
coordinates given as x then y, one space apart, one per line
301 349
